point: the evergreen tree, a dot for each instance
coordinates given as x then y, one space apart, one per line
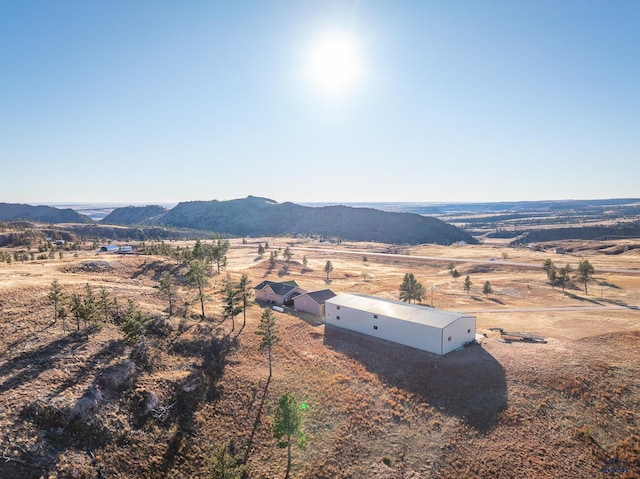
410 289
328 268
272 259
135 324
104 304
585 272
563 276
287 426
56 296
467 285
168 289
548 267
77 308
230 300
245 295
268 331
224 464
197 277
487 288
91 313
219 254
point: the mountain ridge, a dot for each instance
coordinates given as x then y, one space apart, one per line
41 213
257 216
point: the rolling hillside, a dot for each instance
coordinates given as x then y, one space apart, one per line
254 216
42 214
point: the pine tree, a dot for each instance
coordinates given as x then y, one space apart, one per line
224 464
104 303
230 300
287 425
244 294
198 278
467 285
585 272
548 267
167 289
328 268
563 276
268 330
56 296
410 289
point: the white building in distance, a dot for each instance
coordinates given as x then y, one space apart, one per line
432 330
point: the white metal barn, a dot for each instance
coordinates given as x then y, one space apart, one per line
421 327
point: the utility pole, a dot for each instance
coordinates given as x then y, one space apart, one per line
432 285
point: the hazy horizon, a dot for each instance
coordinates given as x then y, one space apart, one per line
107 204
319 101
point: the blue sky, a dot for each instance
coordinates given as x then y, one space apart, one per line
165 101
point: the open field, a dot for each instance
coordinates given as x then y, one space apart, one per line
86 405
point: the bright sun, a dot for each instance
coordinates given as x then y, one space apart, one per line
335 63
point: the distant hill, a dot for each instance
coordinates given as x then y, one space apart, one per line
134 215
253 216
629 230
42 214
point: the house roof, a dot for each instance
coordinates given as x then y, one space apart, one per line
321 296
436 318
278 288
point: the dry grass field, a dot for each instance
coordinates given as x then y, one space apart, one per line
85 405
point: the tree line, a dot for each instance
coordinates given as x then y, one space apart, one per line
562 276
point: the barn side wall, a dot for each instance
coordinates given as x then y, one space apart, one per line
460 331
409 333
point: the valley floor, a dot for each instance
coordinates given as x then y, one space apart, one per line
85 405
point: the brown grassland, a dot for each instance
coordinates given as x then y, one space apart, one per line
85 405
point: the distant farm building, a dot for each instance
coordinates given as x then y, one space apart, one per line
432 330
126 249
277 293
313 302
110 248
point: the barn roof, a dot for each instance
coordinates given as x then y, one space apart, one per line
437 318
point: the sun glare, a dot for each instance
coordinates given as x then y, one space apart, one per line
335 64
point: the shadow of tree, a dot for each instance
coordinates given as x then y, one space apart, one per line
157 267
256 422
93 364
618 302
608 285
30 364
198 387
582 298
469 383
